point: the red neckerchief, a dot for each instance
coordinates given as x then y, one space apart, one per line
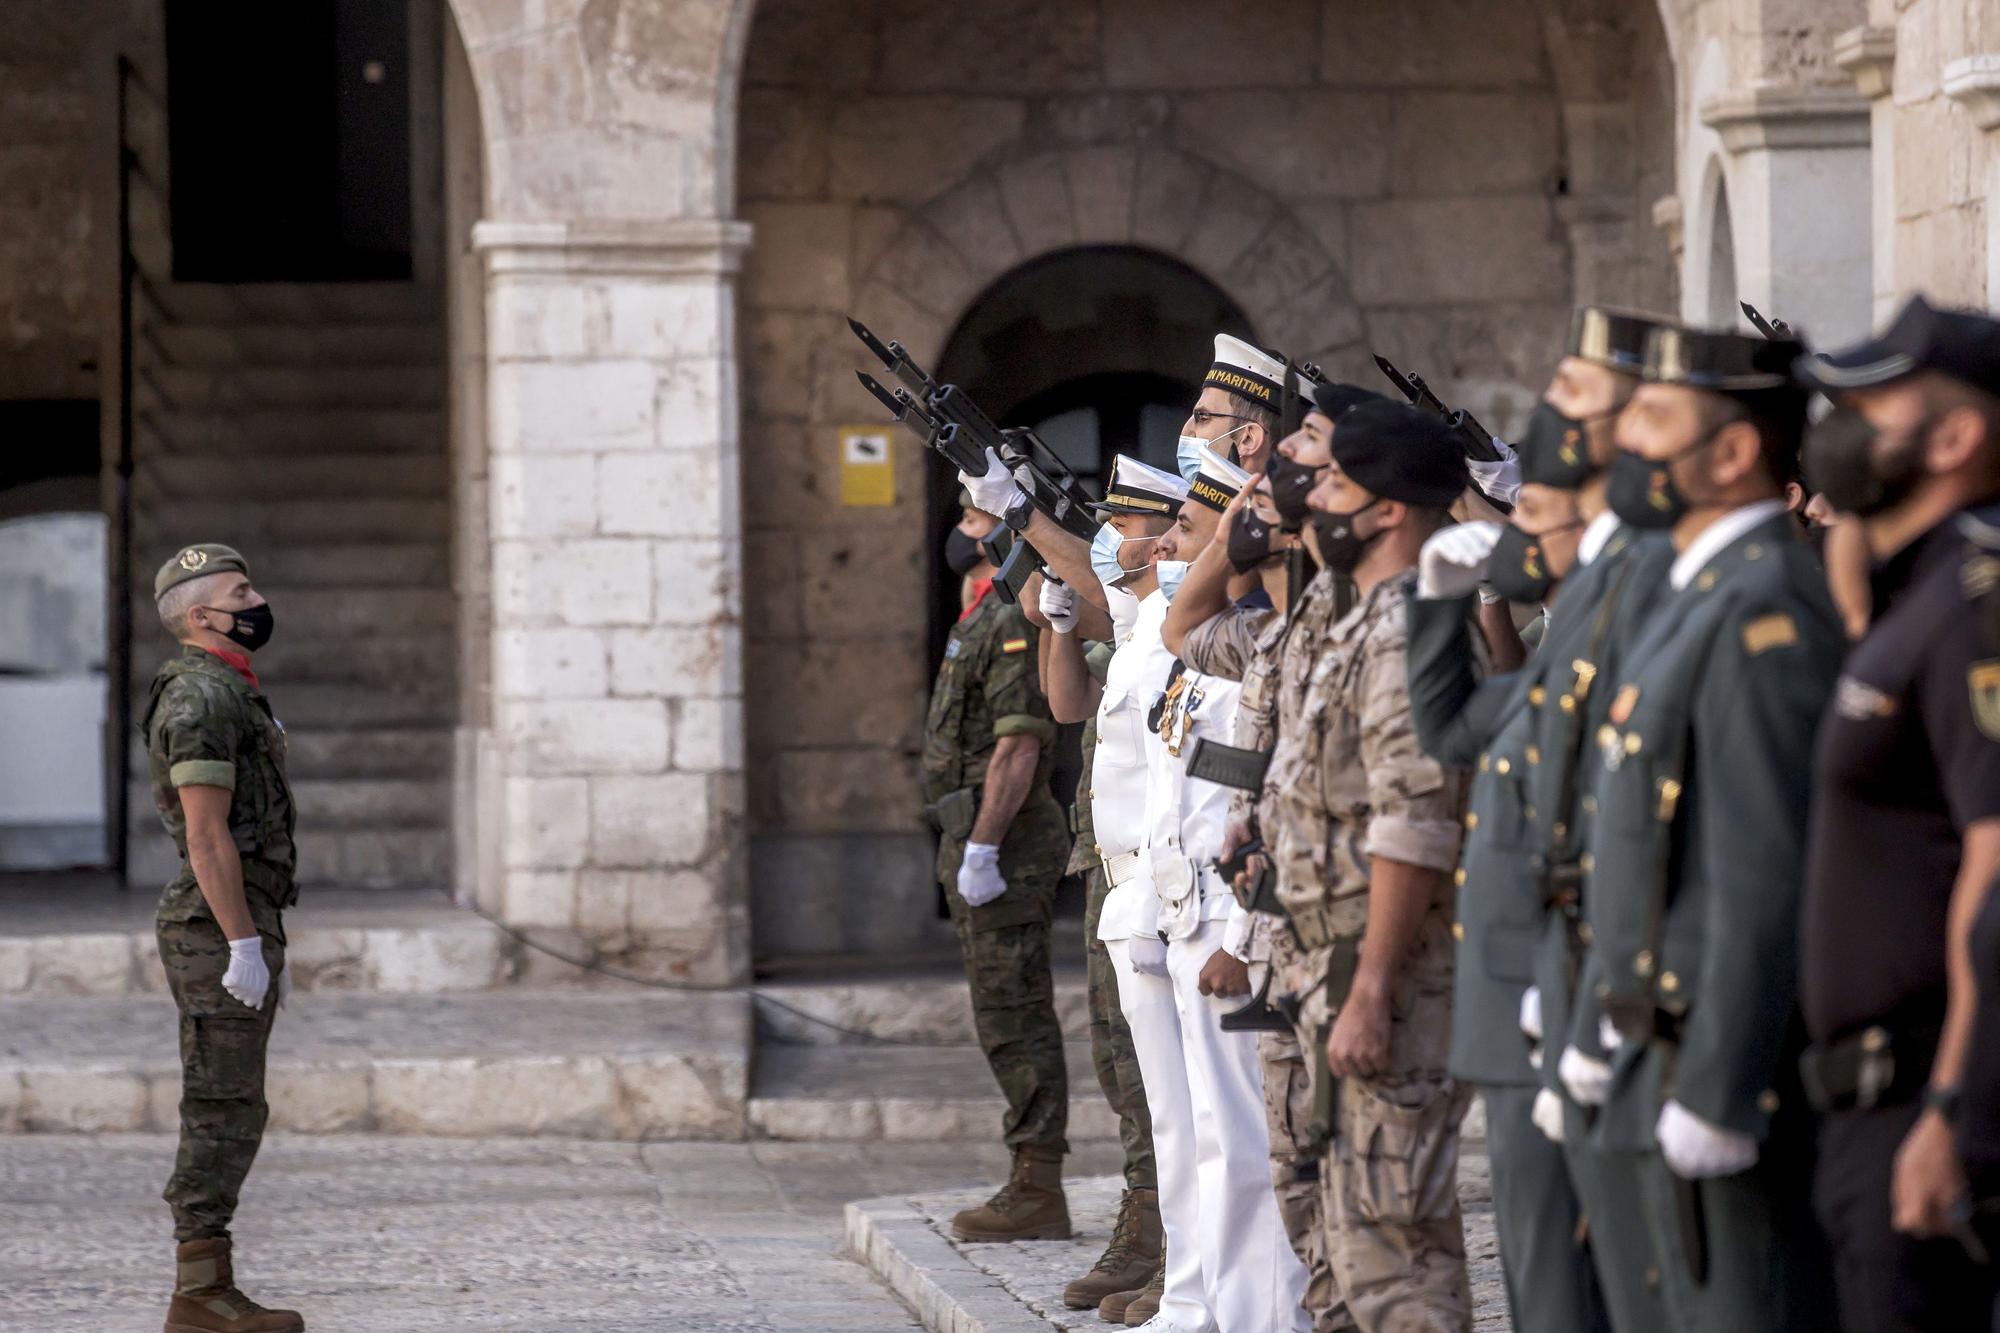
238 662
979 591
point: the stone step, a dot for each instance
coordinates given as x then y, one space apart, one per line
307 384
323 707
310 303
389 752
423 564
373 803
176 476
265 433
904 1094
309 651
165 524
570 1063
931 1005
281 344
329 857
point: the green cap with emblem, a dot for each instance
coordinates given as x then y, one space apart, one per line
196 562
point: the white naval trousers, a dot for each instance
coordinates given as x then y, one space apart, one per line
1230 1266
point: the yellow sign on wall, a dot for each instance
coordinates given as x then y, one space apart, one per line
867 466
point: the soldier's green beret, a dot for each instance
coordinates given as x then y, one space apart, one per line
196 562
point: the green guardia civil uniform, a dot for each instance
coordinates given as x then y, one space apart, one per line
206 725
987 688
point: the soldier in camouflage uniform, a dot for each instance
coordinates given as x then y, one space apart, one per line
1002 845
1365 831
217 760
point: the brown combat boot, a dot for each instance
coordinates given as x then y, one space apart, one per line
206 1299
1113 1309
1129 1260
1030 1206
1147 1303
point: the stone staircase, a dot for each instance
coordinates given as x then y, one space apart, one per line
304 424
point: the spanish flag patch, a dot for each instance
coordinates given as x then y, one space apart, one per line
1013 645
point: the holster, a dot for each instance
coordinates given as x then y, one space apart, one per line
1876 1066
953 813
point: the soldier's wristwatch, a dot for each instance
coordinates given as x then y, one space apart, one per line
1018 512
1945 1101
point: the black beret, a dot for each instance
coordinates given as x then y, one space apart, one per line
1333 400
1400 453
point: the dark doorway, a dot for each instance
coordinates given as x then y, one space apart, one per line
289 139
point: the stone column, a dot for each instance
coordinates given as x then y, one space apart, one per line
1869 55
1974 83
1801 236
617 697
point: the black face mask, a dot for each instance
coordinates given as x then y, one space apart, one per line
1560 446
1642 491
1249 542
1341 544
251 627
1291 482
961 552
1519 566
1840 461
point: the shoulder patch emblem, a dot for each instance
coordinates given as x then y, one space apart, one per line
1768 632
1979 576
1622 705
1013 645
951 649
1983 680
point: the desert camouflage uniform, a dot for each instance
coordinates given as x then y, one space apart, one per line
1245 644
1348 782
986 689
207 726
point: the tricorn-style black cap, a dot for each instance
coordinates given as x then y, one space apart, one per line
1612 338
1726 363
1962 344
1397 452
1333 400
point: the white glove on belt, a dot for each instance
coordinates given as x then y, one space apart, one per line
1547 1114
995 492
1608 1035
1059 605
1501 481
979 880
1453 561
1696 1150
1148 954
1531 1013
248 979
1587 1080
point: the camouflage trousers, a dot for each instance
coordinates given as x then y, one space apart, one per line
1014 1012
1111 1050
223 1045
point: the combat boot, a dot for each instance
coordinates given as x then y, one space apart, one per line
1129 1260
1030 1206
206 1299
1112 1309
1147 1303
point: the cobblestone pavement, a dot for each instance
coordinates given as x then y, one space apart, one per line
404 1235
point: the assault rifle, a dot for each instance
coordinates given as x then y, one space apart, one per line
1774 329
1477 440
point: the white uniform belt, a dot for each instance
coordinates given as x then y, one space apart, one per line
1121 868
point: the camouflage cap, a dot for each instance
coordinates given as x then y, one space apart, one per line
195 562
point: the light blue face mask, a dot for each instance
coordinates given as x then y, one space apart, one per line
1170 573
1104 555
1187 453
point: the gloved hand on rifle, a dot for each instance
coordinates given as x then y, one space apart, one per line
1059 605
1453 560
1498 481
995 491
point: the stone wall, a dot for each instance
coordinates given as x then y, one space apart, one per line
1942 229
1434 181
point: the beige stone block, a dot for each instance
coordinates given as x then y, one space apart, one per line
865 582
811 46
1168 191
833 692
661 493
1491 359
771 571
783 142
433 961
562 737
163 1102
846 791
699 581
1228 221
13 1100
1101 183
683 1099
84 1101
778 351
1034 191
151 971
535 87
550 663
318 1099
1286 261
539 321
603 909
1465 43
572 406
906 149
1319 142
16 963
644 822
323 958
1093 117
582 582
575 1096
673 661
708 734
671 317
923 1120
1452 143
665 900
854 1120
891 315
1317 315
695 407
93 964
799 258
1189 44
543 495
1944 254
1940 158
972 219
548 821
1006 48
928 273
796 470
873 227
1457 251
539 898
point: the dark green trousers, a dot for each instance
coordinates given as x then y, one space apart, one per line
1008 967
223 1047
1551 1286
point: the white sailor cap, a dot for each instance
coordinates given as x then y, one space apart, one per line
1137 488
1218 481
1247 372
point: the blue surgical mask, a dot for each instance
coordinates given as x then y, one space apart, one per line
1188 452
1104 556
1170 574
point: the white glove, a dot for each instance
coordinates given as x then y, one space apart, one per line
1501 481
1453 561
284 984
997 491
1697 1150
248 979
1586 1080
1059 605
1608 1035
1149 955
979 881
1547 1113
1531 1013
